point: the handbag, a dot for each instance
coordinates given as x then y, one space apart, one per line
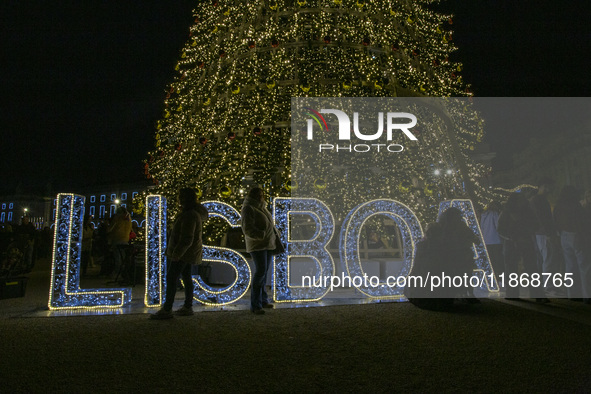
279 247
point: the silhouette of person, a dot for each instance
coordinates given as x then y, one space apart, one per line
260 235
185 247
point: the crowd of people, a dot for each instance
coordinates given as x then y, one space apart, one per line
21 245
551 242
107 245
531 244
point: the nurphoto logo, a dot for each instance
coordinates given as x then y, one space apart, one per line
395 122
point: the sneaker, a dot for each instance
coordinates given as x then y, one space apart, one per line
258 311
162 314
184 311
268 305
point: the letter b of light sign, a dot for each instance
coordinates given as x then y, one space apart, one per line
314 248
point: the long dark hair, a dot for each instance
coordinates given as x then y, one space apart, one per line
569 195
255 193
188 198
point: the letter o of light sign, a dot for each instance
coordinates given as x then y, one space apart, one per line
410 230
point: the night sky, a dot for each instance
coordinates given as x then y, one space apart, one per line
83 81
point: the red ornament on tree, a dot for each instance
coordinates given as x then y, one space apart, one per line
203 141
200 64
274 43
222 53
327 39
231 135
251 44
161 153
257 131
178 147
366 41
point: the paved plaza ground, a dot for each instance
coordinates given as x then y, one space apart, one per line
498 346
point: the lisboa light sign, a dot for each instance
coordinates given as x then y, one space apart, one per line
65 291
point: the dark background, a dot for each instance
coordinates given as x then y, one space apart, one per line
83 81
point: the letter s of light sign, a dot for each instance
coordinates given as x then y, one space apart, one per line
220 296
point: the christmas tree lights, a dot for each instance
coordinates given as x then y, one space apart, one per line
226 116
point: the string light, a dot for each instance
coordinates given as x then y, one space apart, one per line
226 115
64 291
207 294
155 250
314 248
410 231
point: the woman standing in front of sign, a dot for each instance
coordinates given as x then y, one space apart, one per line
261 240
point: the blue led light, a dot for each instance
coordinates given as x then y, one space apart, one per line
314 248
209 295
65 292
482 259
410 230
155 249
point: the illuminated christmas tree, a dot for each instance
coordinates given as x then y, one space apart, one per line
226 118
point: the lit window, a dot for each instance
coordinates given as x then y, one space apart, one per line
103 197
124 205
2 217
133 195
91 211
112 211
10 216
123 196
92 198
113 197
10 206
3 206
102 211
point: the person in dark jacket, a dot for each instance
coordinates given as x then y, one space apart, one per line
260 236
184 248
517 226
572 221
546 236
458 241
428 261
